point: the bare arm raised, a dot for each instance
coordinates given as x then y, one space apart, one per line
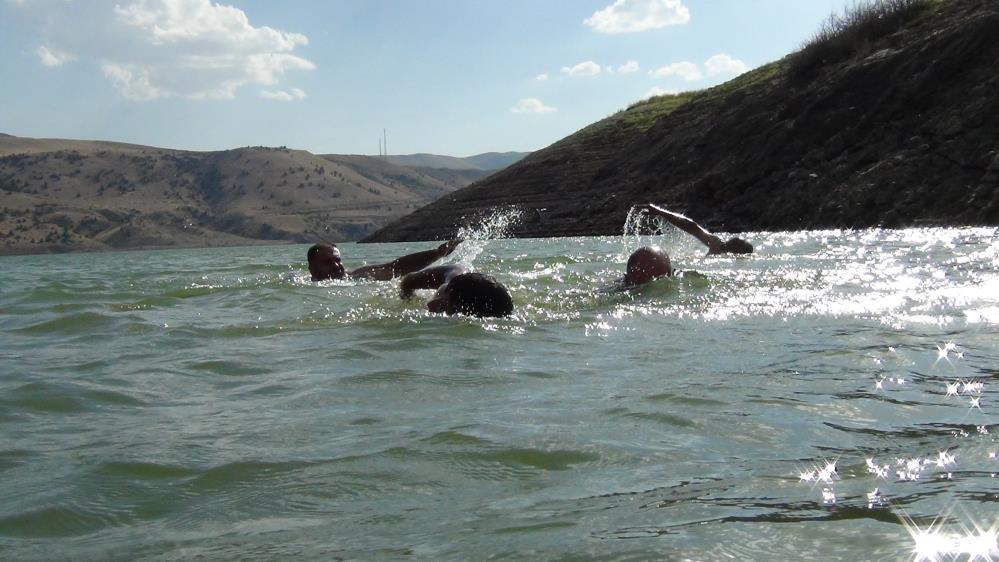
406 264
715 244
325 262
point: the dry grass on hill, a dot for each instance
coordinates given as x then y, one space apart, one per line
854 31
59 195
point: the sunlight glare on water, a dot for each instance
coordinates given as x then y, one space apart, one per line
216 404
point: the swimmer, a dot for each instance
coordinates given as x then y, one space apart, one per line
459 291
325 263
714 243
646 264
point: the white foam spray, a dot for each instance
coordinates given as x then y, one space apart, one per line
642 229
476 236
635 224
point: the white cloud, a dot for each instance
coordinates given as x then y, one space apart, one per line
541 77
588 68
657 91
148 49
53 57
628 67
717 65
281 95
131 81
686 70
724 64
531 105
203 23
628 16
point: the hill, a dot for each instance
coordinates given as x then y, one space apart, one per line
66 195
492 161
882 120
487 162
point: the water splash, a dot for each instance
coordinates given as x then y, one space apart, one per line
642 229
634 225
490 227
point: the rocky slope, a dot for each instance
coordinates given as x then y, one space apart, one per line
61 195
899 130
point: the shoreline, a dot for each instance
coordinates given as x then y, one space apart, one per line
267 243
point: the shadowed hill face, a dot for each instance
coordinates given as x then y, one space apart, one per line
63 195
899 133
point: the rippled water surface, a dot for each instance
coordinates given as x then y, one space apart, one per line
832 396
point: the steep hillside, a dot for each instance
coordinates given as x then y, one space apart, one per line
895 128
63 195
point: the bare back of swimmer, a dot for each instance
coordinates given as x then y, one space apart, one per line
459 291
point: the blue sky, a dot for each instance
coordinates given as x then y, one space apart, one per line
455 77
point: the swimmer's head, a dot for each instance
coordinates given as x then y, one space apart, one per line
646 264
473 294
324 262
737 246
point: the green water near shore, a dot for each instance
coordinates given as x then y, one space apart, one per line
217 404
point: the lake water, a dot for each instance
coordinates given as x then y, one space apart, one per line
831 397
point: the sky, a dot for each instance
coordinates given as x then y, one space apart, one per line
452 77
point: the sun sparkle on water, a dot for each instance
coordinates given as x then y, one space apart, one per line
939 541
936 544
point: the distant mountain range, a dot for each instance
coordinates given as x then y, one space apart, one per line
889 117
490 161
66 195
